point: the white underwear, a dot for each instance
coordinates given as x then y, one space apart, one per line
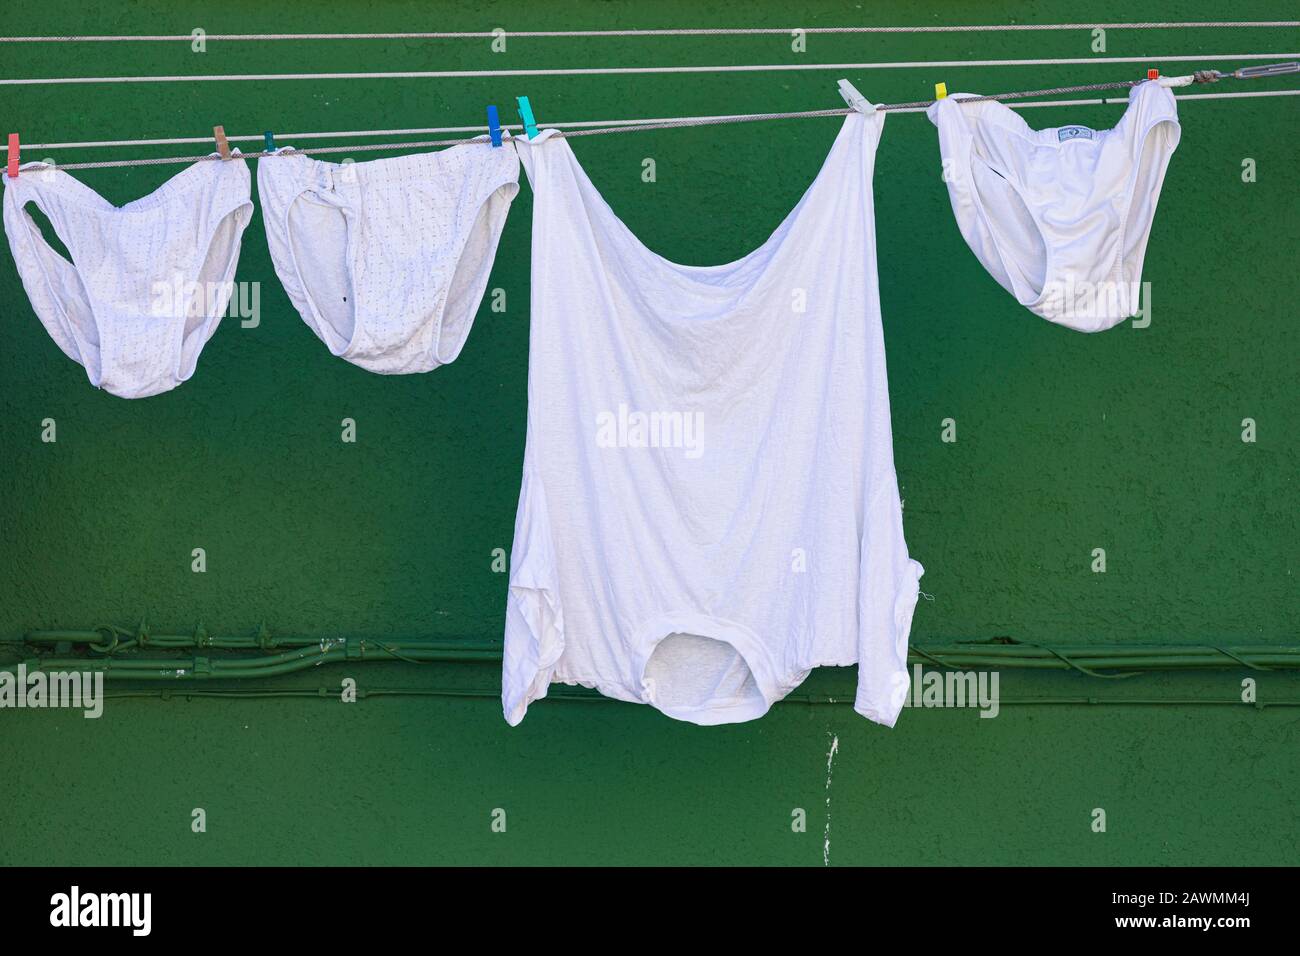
1060 217
709 507
387 261
148 281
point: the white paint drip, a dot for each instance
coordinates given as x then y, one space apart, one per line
826 834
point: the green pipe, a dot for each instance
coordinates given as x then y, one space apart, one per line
141 637
998 647
240 668
185 668
981 651
301 653
332 693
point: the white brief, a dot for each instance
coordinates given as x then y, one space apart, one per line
148 281
709 507
387 260
1060 217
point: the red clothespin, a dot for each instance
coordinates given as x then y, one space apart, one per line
13 156
223 147
1153 74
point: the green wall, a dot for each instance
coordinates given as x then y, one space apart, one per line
1127 440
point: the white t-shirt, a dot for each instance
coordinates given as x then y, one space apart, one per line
709 507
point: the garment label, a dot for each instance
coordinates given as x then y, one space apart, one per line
1073 132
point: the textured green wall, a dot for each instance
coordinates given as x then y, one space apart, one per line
1128 440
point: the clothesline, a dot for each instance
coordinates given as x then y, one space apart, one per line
576 124
1200 76
673 32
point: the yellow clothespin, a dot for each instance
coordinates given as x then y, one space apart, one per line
940 91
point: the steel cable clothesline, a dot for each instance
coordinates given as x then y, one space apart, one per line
665 32
1200 76
478 130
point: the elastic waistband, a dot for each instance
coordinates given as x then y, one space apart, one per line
1148 95
196 177
417 167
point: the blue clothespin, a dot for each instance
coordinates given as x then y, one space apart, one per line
526 114
494 125
270 141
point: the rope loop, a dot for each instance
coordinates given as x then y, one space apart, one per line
109 645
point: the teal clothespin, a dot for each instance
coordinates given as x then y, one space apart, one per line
270 141
526 114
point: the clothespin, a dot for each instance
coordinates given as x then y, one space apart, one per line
1153 74
270 141
13 156
941 91
526 114
494 125
223 147
855 99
